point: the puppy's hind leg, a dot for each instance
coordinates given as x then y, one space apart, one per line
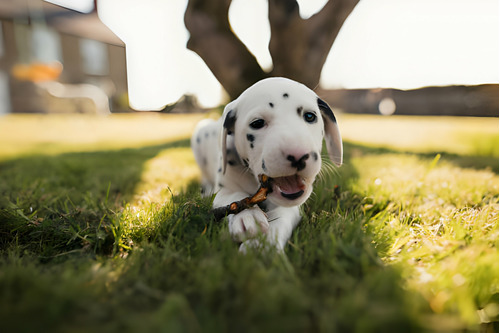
204 144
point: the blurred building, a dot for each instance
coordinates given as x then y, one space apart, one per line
55 60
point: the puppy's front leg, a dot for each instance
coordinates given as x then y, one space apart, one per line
282 221
247 223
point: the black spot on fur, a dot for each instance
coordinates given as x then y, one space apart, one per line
221 185
198 140
271 105
299 110
245 163
231 162
251 145
285 95
315 156
263 165
220 170
250 137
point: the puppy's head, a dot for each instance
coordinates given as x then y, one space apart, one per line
278 127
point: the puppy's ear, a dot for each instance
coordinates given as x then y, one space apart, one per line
332 133
227 129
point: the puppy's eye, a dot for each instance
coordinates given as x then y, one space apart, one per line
310 117
257 124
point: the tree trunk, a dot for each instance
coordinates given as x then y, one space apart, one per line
298 47
214 41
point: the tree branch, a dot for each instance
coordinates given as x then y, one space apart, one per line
213 40
299 48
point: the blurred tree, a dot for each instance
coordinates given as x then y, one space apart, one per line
298 47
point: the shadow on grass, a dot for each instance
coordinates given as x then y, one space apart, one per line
54 204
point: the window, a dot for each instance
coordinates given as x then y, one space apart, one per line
94 57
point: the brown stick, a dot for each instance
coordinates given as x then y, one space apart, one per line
238 206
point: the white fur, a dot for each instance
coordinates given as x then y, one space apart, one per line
233 151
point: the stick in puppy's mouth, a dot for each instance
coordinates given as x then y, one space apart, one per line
266 187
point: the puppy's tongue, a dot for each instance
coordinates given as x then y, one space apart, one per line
291 185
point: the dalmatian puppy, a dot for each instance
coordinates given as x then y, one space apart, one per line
274 128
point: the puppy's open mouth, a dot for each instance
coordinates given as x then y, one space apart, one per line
290 187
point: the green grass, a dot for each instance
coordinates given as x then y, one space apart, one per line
102 229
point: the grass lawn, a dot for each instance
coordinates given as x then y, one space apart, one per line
102 229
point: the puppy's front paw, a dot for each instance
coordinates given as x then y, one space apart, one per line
248 224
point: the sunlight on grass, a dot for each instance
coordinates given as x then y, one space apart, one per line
22 135
457 135
165 175
409 179
440 223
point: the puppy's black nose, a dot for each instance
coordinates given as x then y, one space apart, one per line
299 164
